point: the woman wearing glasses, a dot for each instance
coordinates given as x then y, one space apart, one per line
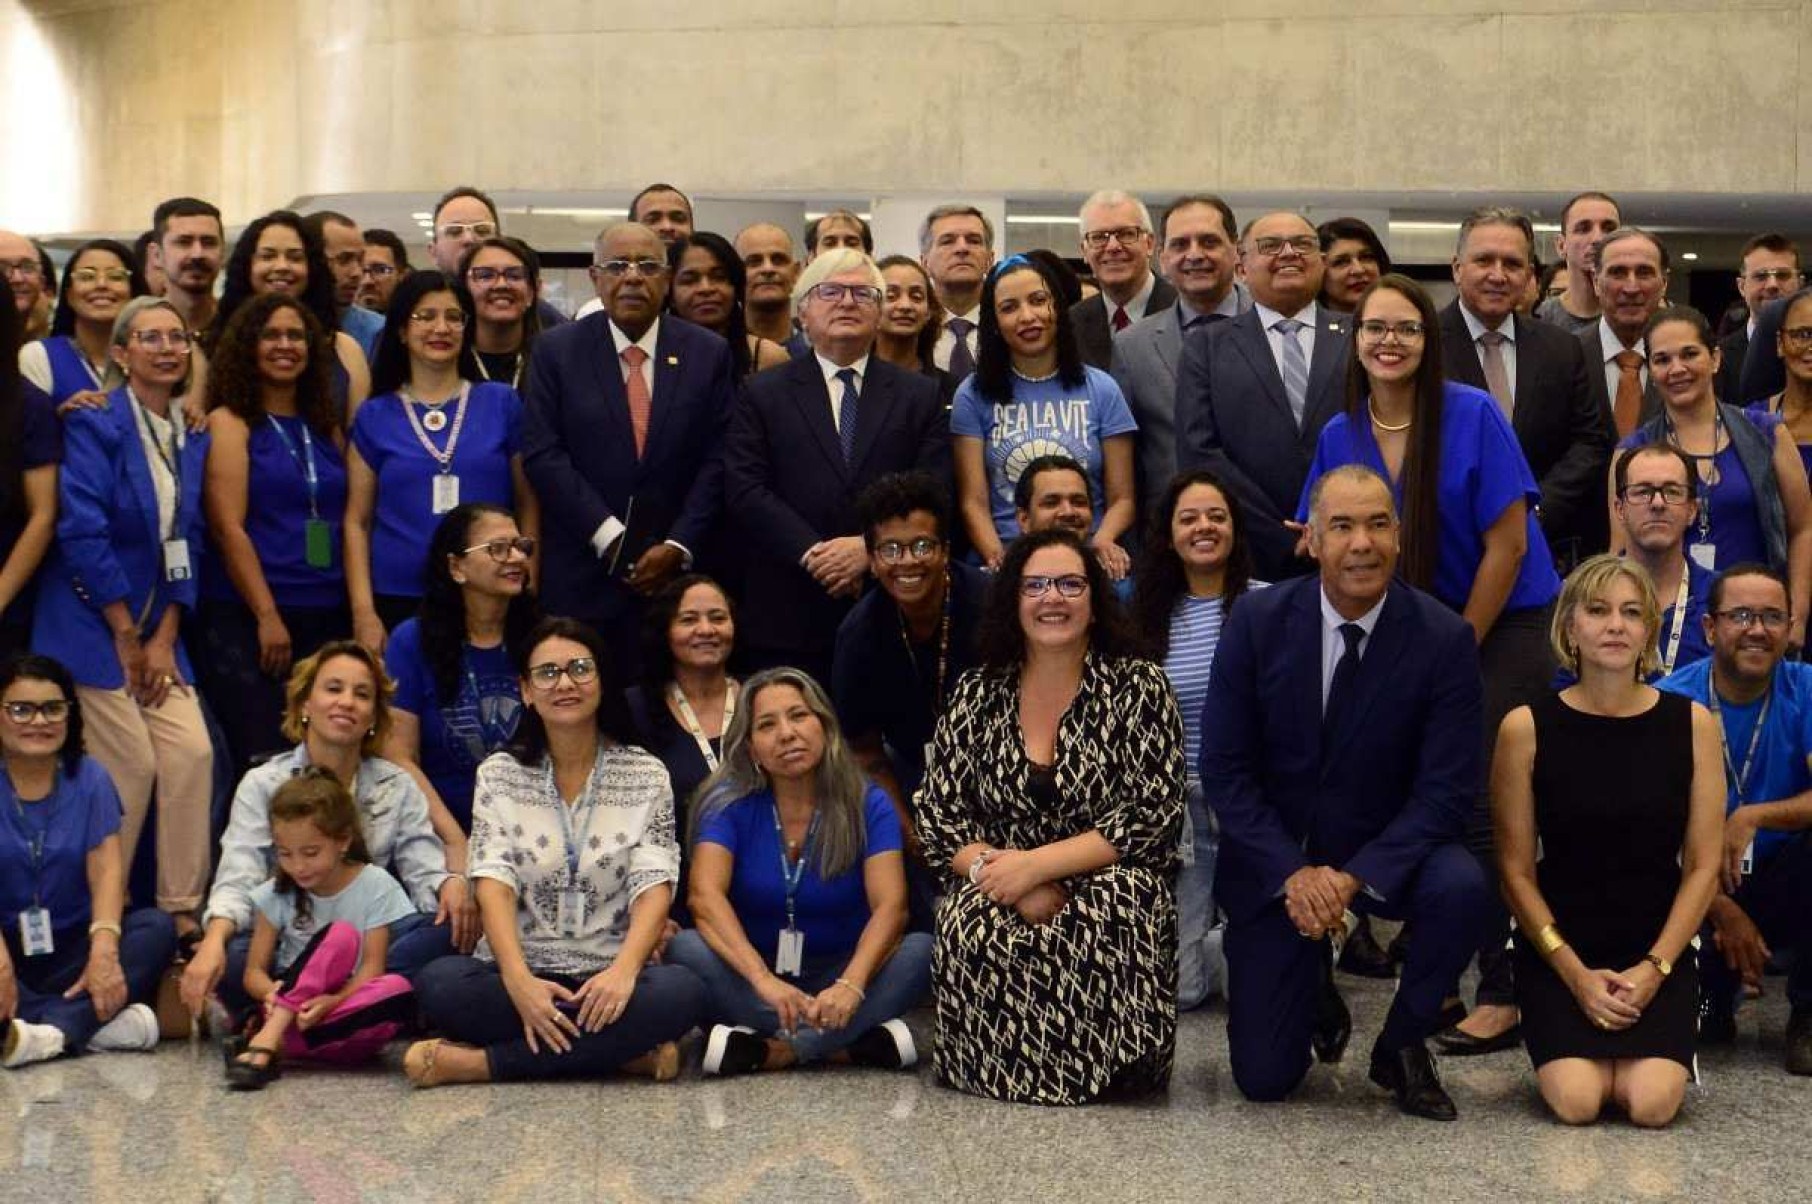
275 587
710 288
429 439
574 856
76 968
1053 802
503 276
101 277
1466 501
1029 396
116 584
1794 402
457 699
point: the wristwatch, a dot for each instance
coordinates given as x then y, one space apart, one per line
1660 963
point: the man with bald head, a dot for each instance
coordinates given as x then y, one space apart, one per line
1254 391
772 264
625 420
20 260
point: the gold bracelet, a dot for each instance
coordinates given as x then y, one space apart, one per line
103 926
1549 941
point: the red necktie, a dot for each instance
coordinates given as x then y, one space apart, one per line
640 404
1121 321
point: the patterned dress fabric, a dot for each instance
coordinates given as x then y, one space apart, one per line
1062 1012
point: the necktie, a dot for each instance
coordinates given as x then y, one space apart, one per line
846 415
1491 356
640 404
1121 321
1626 408
1295 367
962 360
1346 674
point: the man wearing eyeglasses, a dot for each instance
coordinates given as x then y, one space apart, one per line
1657 500
1763 704
1117 246
463 218
623 442
808 436
1254 392
385 264
344 246
1767 270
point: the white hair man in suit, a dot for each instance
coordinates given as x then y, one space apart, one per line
1117 246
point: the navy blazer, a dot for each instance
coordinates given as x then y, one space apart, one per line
1374 797
109 545
579 452
787 485
1233 418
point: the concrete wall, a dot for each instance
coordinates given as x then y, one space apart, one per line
116 103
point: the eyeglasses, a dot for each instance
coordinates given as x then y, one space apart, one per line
500 549
1097 240
475 229
159 340
893 551
378 271
833 293
492 275
1070 585
94 275
54 711
1769 275
1672 494
579 671
30 269
1374 331
1302 244
1798 336
278 337
455 318
1744 617
645 268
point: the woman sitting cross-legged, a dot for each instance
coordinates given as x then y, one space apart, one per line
574 856
798 889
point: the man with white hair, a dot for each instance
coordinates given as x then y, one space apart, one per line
808 437
1117 245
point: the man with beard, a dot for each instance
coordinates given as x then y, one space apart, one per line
189 244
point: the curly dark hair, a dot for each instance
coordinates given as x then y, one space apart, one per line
36 667
736 329
390 367
317 294
657 649
1001 641
901 495
1159 579
993 362
524 254
614 720
64 323
442 614
234 382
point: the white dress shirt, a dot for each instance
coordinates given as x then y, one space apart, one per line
1507 328
834 387
940 354
1612 345
1333 644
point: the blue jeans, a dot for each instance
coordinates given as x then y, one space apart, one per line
1199 960
147 943
900 983
415 941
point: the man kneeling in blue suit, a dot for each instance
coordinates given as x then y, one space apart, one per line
1341 751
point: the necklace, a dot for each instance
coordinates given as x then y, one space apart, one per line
1383 425
1035 380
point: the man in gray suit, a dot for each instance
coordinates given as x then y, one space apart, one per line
1254 392
1632 285
1116 244
1198 255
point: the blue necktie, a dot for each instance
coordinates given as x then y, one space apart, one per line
962 361
1295 368
1346 672
846 415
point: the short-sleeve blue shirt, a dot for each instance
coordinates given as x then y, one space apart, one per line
82 810
830 914
1482 472
458 735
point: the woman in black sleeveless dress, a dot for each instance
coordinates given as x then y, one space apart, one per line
1620 791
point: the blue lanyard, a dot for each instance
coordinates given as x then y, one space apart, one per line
1739 782
793 873
495 735
586 800
35 840
305 461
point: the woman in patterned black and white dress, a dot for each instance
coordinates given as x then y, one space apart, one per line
1054 800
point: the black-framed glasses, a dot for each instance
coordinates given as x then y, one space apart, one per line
378 271
579 670
1672 493
833 293
1069 585
893 550
499 549
1097 240
54 710
1374 331
1744 617
1272 247
489 275
647 269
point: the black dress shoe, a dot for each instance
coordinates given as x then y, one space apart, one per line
1409 1074
1333 1024
1361 956
1799 1041
1456 1042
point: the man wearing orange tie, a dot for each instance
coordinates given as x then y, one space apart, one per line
1632 285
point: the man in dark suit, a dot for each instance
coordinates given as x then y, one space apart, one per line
807 439
1117 246
1767 270
1632 284
1341 755
1254 392
1536 371
623 442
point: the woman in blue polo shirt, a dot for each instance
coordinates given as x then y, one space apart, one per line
798 891
428 440
1466 502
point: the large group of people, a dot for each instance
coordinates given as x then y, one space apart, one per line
792 639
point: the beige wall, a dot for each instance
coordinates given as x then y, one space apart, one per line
253 102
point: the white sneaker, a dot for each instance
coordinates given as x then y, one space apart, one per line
134 1028
28 1043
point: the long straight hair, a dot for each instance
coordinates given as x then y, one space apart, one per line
840 785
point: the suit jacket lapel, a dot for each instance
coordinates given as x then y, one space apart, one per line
138 469
607 383
1383 651
1462 357
1253 343
1325 367
1167 343
669 366
1305 674
812 396
872 407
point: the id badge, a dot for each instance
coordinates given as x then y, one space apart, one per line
572 911
446 492
176 560
1705 555
1748 863
789 955
317 544
34 932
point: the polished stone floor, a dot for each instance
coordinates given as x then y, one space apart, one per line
157 1128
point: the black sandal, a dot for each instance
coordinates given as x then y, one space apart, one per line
231 1047
256 1074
